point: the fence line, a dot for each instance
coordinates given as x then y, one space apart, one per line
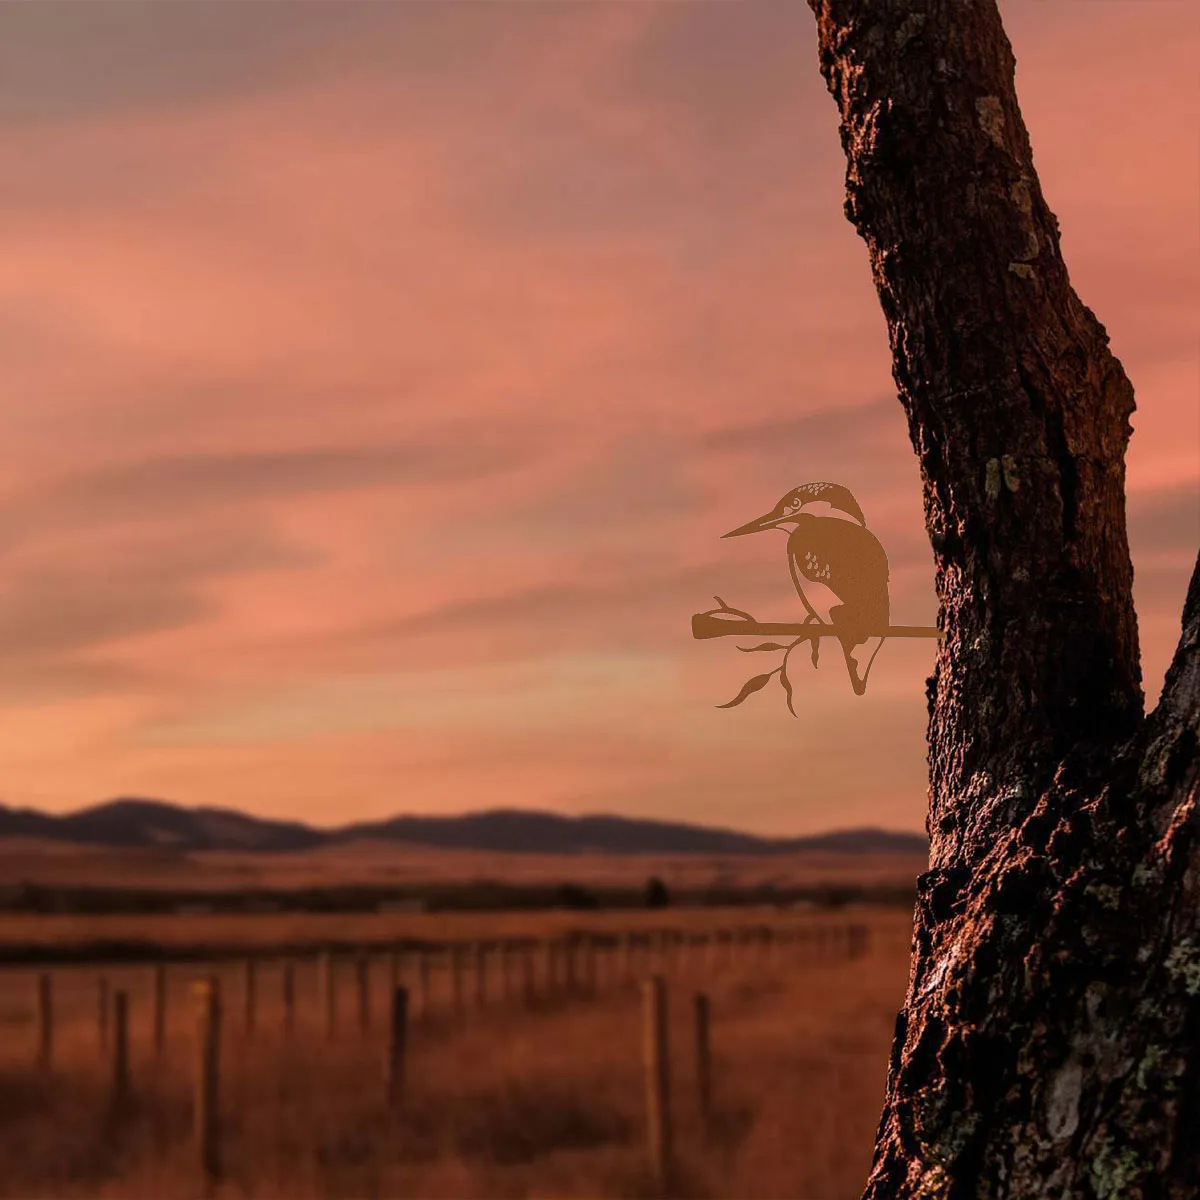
531 973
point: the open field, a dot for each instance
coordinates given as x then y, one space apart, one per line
207 934
377 863
501 1099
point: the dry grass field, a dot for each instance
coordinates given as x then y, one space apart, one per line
181 932
500 1100
379 863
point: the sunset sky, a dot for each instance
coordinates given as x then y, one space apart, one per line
378 379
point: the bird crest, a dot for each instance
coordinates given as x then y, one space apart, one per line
840 572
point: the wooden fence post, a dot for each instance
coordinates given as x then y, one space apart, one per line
505 953
102 1011
120 1049
656 1057
567 967
206 1111
480 975
456 980
160 1007
528 977
288 987
570 967
327 985
363 973
423 980
703 1060
589 966
397 1046
45 1021
250 994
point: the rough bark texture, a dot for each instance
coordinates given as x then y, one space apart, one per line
1050 1040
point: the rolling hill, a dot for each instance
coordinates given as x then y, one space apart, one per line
131 822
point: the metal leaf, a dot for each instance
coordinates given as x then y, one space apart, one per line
764 646
787 686
748 688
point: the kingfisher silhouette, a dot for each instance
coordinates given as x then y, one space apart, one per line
840 572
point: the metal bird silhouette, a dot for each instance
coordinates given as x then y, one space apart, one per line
840 572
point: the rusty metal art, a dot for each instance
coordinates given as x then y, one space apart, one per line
840 573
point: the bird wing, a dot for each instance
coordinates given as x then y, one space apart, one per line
794 568
843 557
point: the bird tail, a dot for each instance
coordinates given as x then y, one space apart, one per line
872 659
860 685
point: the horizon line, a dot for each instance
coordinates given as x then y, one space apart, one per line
460 815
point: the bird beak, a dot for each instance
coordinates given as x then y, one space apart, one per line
770 521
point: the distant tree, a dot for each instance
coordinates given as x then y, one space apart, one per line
1050 1040
656 895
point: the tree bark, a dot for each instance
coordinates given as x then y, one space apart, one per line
1049 1043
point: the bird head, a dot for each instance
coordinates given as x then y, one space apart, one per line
787 511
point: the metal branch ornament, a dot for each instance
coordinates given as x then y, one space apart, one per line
840 573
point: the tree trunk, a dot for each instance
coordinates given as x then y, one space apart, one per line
1050 1039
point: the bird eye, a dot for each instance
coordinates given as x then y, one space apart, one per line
793 504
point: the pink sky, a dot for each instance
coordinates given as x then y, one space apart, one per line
379 378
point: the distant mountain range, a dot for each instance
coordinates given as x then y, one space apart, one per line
156 823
